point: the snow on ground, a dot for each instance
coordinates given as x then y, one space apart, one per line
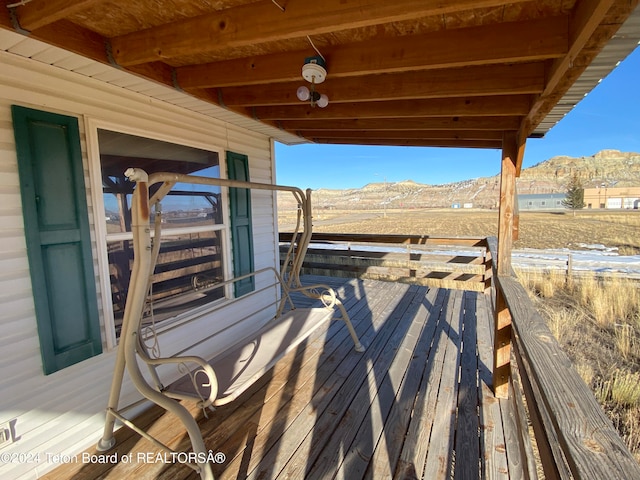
599 259
594 258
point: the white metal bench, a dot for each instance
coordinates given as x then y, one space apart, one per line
217 381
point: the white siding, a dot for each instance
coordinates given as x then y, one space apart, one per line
63 413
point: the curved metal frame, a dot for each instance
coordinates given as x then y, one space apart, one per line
132 346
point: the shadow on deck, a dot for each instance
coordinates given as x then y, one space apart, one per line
416 404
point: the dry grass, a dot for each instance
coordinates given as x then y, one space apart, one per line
596 323
537 229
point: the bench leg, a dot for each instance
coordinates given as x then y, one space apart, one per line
352 332
195 435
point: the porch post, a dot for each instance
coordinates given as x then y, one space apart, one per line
502 335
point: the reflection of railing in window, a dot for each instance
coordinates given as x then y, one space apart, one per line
188 263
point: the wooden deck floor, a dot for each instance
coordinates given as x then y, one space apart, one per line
416 404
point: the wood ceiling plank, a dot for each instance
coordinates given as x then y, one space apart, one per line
454 123
506 43
522 78
405 134
38 13
263 22
499 105
494 144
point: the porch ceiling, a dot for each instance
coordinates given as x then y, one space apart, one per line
408 72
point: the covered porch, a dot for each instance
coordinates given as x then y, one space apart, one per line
420 402
439 391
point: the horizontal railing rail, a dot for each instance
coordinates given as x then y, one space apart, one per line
447 262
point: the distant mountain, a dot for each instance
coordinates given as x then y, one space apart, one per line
610 167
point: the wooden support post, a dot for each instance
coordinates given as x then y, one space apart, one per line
507 202
501 347
511 156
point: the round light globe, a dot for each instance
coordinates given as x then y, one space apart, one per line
303 93
323 101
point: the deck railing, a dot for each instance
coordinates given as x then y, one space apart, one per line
456 263
573 436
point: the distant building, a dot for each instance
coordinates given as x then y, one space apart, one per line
541 201
612 197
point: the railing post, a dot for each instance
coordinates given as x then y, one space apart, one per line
487 278
501 346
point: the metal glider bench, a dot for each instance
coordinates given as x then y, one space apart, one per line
221 380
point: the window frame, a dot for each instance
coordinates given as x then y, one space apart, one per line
92 125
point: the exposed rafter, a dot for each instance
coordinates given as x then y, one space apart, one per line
37 14
499 105
462 123
406 72
530 40
521 78
260 22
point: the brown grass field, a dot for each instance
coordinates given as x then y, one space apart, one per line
544 230
597 322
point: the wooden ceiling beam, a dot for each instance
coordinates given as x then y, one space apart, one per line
263 21
74 38
494 144
499 105
38 13
504 43
454 123
404 134
522 78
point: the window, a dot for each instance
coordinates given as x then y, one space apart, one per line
191 258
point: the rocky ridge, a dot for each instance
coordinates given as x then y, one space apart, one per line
610 167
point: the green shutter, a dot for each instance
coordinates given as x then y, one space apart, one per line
57 235
241 231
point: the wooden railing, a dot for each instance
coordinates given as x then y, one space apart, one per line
573 436
455 263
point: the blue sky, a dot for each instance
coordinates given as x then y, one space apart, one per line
607 118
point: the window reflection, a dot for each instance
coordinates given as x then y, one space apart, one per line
191 252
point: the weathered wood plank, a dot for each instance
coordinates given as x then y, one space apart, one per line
289 420
521 457
493 460
475 284
348 258
416 444
273 460
591 445
385 458
467 443
383 395
439 461
378 356
390 238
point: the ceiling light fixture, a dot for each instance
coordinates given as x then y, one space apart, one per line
314 71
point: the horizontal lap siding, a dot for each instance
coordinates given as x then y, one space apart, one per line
64 412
